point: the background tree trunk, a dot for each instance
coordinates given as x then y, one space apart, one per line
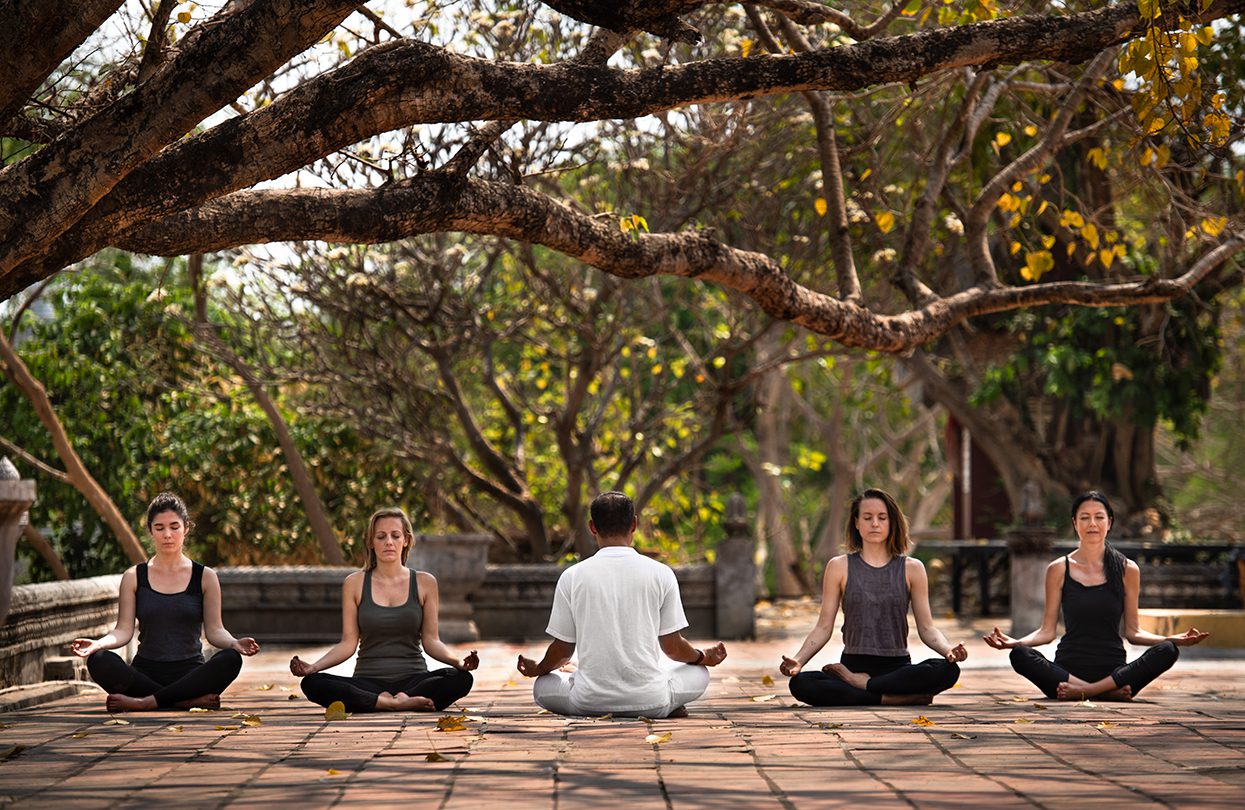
79 476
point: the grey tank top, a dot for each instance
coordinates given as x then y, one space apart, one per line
875 608
389 647
169 624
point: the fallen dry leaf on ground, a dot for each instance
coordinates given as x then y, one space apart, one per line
767 680
829 725
1020 721
451 722
226 728
658 739
763 698
336 711
1105 724
955 735
265 687
116 721
177 728
923 721
11 752
77 735
200 710
434 756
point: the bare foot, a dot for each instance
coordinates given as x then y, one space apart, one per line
1125 692
201 702
402 702
125 703
907 700
569 667
1074 689
679 712
856 679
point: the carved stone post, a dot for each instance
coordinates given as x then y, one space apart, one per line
1030 547
735 574
459 562
16 496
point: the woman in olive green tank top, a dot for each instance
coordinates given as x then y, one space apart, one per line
388 610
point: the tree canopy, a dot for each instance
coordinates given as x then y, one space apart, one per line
111 163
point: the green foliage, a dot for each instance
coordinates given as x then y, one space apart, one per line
1112 363
147 411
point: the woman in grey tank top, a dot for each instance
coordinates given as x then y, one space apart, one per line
389 615
874 582
174 600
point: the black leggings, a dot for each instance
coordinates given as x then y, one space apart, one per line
888 675
170 682
443 686
1047 676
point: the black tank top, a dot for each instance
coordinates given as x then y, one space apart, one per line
1091 646
169 624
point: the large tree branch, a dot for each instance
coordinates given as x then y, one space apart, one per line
437 202
43 195
403 83
37 37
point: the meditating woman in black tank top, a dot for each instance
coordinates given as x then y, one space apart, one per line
174 600
874 582
387 610
1097 587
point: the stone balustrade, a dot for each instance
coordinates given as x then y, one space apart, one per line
44 618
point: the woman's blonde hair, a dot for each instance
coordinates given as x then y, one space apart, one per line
896 541
407 532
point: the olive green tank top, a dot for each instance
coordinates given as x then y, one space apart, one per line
389 647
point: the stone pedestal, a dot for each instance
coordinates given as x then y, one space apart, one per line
458 561
1030 550
16 496
735 572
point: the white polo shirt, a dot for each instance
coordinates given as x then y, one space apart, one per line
612 607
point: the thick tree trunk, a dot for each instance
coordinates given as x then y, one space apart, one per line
79 476
773 442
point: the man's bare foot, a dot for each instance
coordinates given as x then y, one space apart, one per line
856 679
125 703
569 667
679 712
1125 692
402 702
907 700
201 702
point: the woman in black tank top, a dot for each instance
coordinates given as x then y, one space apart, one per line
174 600
389 614
1096 587
875 583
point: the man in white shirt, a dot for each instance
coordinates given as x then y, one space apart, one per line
621 611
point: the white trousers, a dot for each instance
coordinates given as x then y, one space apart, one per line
554 691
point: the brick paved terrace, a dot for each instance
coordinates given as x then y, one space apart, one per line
989 742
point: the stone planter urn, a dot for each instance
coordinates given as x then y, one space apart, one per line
458 562
16 496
